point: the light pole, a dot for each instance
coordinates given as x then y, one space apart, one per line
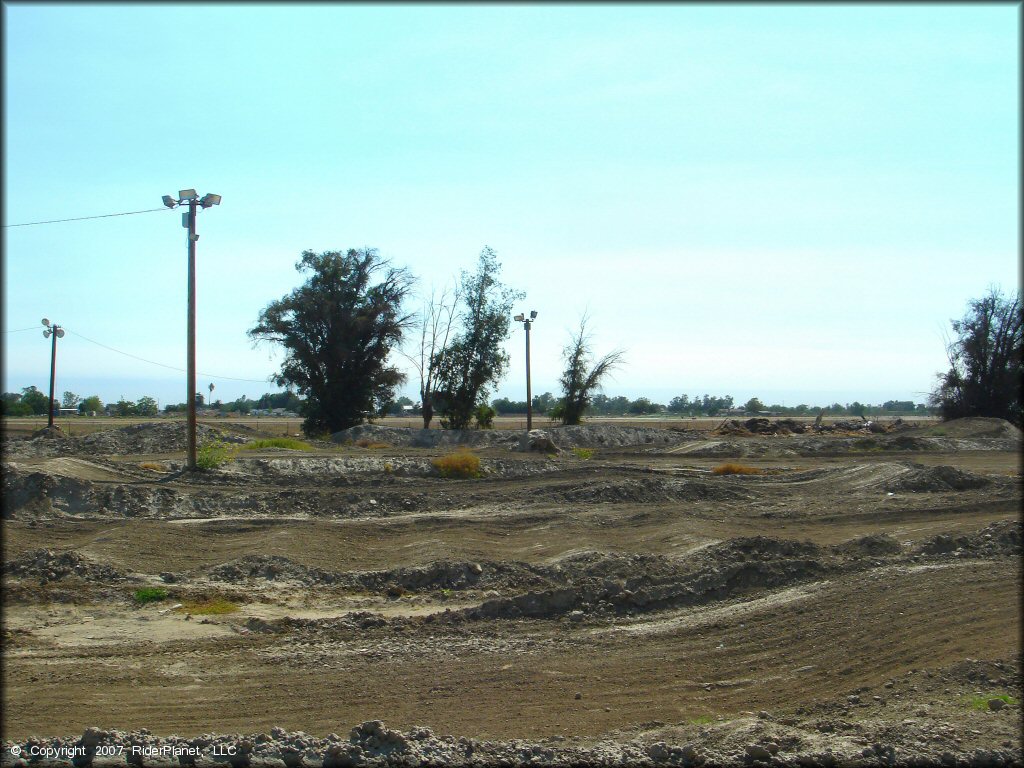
55 332
188 220
527 322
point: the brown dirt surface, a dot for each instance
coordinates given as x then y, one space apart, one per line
857 602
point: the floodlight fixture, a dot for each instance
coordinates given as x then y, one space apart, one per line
46 333
518 318
60 333
187 194
210 199
533 314
46 322
169 201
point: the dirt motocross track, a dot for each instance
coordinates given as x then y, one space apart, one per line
856 602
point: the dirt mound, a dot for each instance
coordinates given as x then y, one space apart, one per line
150 437
271 568
645 490
587 436
47 565
941 478
600 583
1000 538
975 426
436 576
872 545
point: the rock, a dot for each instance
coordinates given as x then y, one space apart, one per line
658 752
537 440
996 704
757 752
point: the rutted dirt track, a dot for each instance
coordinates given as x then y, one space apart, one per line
857 601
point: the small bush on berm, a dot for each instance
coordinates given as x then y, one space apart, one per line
213 455
735 469
150 595
461 464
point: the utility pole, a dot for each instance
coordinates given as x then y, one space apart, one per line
191 366
190 197
527 322
56 332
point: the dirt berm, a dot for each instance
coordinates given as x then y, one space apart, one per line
596 436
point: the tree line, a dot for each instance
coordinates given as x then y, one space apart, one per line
32 402
341 328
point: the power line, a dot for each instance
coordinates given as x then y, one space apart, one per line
162 365
19 330
83 218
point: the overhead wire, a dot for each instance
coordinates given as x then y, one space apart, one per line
162 365
83 218
19 330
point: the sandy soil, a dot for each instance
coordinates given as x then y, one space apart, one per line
858 600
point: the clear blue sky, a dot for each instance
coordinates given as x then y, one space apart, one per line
782 201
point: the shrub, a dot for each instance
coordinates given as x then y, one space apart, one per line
150 595
735 469
289 443
209 606
461 464
484 416
364 442
583 453
213 454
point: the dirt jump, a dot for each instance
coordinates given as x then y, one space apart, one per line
755 594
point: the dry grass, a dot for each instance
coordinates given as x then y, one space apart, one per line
152 466
735 469
367 443
461 464
213 606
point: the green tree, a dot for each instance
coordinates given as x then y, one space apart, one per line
91 404
35 400
642 406
70 400
543 403
679 404
397 408
582 375
146 406
985 361
475 359
123 408
338 329
12 405
753 405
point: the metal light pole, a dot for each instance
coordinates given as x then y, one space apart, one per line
527 322
56 332
188 220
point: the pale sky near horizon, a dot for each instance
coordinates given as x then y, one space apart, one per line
782 201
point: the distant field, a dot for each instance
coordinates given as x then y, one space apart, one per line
83 425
